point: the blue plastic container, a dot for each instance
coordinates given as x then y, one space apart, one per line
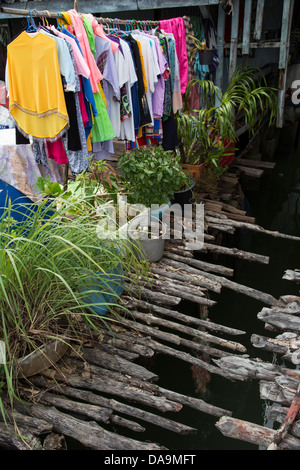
106 284
22 206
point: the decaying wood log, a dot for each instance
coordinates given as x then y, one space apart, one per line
202 265
96 355
288 422
282 390
292 275
249 291
280 319
12 438
187 270
254 369
34 425
199 346
115 388
88 433
233 224
246 255
196 404
278 413
156 297
123 342
239 217
94 412
184 292
287 344
209 325
183 356
146 416
208 338
253 433
190 279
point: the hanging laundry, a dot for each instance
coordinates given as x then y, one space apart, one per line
36 97
177 28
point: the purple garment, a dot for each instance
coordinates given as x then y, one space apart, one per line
159 92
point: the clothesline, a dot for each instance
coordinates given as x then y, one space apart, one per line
48 14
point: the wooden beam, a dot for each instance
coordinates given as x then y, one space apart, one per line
288 7
259 19
247 27
234 37
220 47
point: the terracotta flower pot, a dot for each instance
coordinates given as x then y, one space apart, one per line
195 171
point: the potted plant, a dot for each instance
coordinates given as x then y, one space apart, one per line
151 176
208 135
206 55
148 235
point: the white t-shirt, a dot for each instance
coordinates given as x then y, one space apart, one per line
127 126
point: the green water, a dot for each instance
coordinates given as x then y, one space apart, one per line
276 207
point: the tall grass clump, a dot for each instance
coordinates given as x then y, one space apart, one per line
45 260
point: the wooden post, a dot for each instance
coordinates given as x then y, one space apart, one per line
247 30
234 38
259 19
288 7
220 46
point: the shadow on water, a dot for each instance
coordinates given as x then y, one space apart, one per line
276 206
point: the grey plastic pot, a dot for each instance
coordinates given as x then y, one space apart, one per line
152 248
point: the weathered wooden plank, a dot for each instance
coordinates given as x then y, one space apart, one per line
252 227
115 388
276 392
278 413
280 319
259 19
254 163
234 37
220 47
24 441
179 262
246 255
186 319
206 337
247 27
96 355
253 433
88 433
88 6
254 369
281 433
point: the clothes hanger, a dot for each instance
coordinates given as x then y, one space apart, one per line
32 28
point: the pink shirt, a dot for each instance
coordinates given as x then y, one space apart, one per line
81 35
98 31
177 28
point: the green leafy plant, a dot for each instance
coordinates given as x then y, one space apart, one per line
151 175
100 180
208 134
49 188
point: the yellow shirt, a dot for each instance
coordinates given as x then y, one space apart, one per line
36 96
